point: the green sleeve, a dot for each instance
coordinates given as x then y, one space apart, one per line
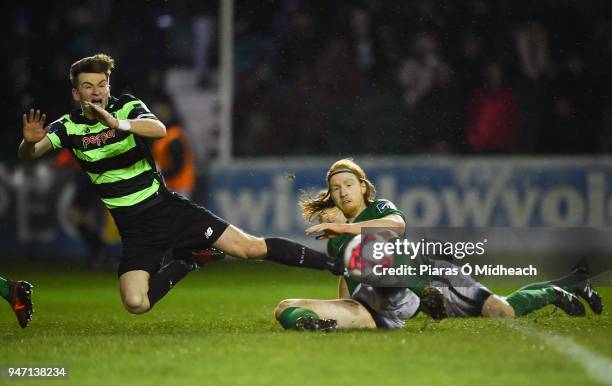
133 108
385 208
55 141
57 134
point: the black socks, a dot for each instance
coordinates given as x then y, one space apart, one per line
285 251
281 250
163 280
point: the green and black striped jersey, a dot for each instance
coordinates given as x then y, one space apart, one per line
118 163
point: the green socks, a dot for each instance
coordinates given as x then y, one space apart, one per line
4 288
528 299
290 315
537 295
565 282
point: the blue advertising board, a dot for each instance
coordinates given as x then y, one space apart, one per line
464 192
261 196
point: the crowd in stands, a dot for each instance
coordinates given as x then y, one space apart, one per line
422 76
343 77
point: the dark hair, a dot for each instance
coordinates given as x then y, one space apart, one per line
99 63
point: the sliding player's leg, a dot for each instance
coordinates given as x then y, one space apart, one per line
477 300
533 297
311 314
497 307
199 255
143 280
238 243
134 287
466 297
467 300
576 282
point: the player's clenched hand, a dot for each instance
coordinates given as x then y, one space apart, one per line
33 126
103 116
330 230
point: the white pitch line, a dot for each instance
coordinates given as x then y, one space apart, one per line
597 366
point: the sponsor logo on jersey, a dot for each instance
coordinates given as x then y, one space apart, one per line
384 205
99 139
208 233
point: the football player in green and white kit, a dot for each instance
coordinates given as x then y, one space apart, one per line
348 206
352 197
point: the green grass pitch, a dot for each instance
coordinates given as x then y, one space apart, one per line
217 328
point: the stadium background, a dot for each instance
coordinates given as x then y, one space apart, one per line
403 87
398 85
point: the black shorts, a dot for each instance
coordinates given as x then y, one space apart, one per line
175 222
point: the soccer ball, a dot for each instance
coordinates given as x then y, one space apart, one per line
352 258
359 257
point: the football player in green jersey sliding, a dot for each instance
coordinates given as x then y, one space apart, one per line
347 206
110 138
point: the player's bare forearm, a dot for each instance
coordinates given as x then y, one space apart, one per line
331 230
391 221
31 151
148 128
26 151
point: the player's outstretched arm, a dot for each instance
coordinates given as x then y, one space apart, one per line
331 230
35 141
148 128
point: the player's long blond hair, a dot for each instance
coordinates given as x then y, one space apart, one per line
313 206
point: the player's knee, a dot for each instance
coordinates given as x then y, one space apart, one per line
284 304
497 307
136 303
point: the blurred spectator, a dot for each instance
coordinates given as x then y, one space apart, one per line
597 71
364 44
204 20
298 43
336 72
428 93
470 62
565 131
422 71
257 112
173 152
493 114
534 50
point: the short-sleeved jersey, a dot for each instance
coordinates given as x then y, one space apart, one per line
377 209
118 163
